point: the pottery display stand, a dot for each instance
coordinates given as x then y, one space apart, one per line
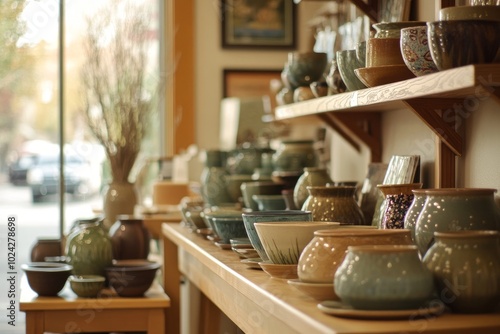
68 313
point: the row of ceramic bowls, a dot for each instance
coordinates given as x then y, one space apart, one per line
463 35
128 278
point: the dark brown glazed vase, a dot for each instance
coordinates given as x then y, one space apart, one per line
130 238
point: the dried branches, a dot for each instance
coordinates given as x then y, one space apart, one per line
117 105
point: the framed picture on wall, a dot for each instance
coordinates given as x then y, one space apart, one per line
258 24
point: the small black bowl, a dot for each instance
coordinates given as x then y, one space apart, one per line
131 278
46 278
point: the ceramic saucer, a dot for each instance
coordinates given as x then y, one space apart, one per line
318 291
252 263
246 253
339 309
222 245
284 271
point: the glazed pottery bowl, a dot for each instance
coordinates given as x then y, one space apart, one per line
248 189
306 67
195 220
383 277
131 278
233 182
275 216
270 202
485 12
415 50
347 62
282 271
381 75
326 251
190 204
208 214
228 228
393 29
383 51
303 93
86 286
47 278
319 88
284 242
463 42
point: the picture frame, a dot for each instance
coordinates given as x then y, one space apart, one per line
265 24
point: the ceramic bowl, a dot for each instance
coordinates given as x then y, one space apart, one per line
228 228
318 291
233 183
86 286
326 251
195 220
393 29
383 51
47 278
248 189
275 216
131 278
463 42
384 277
347 62
381 75
319 88
270 202
306 67
303 93
415 50
334 80
486 12
208 215
282 271
284 242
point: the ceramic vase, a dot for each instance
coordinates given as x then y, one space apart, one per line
45 247
398 199
414 210
130 238
213 182
89 250
120 198
326 251
383 277
294 155
312 176
466 266
455 209
334 204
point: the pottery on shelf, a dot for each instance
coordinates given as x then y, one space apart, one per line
454 209
466 266
311 176
294 155
398 199
383 277
130 238
414 210
46 247
120 198
334 204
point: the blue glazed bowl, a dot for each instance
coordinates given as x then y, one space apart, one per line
228 228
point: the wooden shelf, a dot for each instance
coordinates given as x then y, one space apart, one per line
442 101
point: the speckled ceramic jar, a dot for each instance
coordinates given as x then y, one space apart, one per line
414 210
334 204
310 177
326 251
383 277
466 265
398 198
89 250
455 209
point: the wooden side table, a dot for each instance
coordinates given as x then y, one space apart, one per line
109 313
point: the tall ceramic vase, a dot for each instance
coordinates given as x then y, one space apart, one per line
89 249
130 238
120 199
398 199
312 176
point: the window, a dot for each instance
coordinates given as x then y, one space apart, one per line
37 117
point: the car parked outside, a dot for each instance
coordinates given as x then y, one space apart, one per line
18 170
81 177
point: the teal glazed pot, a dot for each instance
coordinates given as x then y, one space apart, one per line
466 267
213 186
455 209
334 204
414 210
384 277
294 155
312 176
249 189
275 216
89 250
228 228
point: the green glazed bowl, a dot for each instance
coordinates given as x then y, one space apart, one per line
86 286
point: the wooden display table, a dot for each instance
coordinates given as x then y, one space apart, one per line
109 313
257 303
